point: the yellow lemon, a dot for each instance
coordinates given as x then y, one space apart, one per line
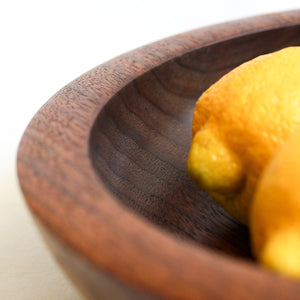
275 211
239 123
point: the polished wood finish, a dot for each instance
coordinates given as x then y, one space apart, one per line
102 168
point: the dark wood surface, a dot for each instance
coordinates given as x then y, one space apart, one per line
102 168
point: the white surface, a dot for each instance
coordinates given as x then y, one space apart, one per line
44 45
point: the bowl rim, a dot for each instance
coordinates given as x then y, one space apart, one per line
60 184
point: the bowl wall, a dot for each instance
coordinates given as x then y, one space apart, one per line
140 141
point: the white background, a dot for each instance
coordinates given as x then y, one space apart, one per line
45 45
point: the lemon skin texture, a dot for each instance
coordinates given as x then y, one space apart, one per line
238 125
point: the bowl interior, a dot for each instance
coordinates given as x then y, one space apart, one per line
140 141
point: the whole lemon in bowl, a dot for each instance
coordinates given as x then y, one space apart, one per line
239 123
275 211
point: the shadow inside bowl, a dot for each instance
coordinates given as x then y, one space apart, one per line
140 141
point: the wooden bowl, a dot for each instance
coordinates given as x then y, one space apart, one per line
102 167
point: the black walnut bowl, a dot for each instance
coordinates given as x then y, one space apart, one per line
102 168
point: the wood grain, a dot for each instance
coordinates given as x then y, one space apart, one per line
102 168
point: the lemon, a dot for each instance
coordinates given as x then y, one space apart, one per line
275 211
238 125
